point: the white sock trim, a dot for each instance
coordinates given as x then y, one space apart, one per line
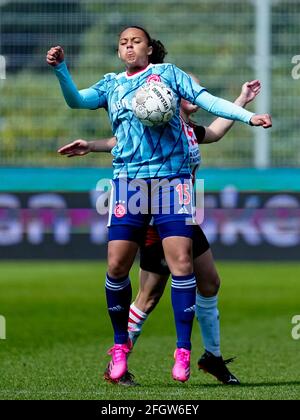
138 311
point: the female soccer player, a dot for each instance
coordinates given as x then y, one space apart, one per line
154 271
148 154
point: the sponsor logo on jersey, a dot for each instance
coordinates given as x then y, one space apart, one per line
154 78
120 105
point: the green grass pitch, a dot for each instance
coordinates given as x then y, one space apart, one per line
58 333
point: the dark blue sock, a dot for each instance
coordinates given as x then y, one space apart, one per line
118 297
183 301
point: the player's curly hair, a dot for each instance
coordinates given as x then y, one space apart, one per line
159 51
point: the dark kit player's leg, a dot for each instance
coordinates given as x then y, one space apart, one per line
207 313
154 274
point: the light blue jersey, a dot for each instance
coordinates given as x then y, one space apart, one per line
144 152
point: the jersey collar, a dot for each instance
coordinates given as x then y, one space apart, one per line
129 76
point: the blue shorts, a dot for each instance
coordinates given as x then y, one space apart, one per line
166 201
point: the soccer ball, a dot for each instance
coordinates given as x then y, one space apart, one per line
154 104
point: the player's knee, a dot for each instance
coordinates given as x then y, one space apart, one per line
117 269
210 285
182 265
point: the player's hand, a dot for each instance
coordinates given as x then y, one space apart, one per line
55 56
263 120
77 148
249 91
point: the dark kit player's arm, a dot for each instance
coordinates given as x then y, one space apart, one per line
189 90
82 147
218 128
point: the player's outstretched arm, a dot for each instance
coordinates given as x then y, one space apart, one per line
82 147
230 111
104 145
198 95
55 56
83 99
217 130
261 120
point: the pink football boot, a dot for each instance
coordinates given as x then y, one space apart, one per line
118 365
181 369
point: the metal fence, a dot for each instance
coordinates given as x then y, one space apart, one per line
224 42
